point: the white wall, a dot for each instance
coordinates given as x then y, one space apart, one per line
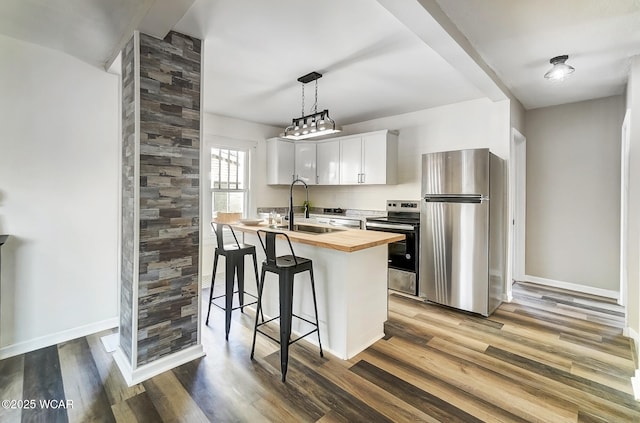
573 193
517 115
471 124
59 155
478 123
633 246
241 134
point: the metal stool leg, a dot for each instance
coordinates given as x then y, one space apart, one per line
240 273
315 307
230 270
213 278
255 268
258 311
286 313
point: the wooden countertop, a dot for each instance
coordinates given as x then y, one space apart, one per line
347 240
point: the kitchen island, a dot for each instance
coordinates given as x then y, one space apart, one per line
350 269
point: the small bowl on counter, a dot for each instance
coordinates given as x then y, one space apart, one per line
251 222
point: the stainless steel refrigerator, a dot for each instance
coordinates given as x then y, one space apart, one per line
462 224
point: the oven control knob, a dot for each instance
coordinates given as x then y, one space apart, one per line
407 256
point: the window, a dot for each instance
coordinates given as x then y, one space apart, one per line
229 180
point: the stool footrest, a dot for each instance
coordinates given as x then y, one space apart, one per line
277 341
222 307
290 342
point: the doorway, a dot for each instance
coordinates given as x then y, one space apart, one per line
624 195
517 209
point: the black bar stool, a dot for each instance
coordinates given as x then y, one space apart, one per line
286 267
234 264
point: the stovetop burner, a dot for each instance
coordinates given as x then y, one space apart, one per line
401 212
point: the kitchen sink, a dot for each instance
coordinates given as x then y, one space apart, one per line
315 229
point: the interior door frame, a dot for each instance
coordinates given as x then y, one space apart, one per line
624 204
516 210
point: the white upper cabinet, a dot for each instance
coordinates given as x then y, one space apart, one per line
328 162
363 159
305 162
369 158
380 158
350 160
280 161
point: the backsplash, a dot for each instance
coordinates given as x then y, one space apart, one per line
353 213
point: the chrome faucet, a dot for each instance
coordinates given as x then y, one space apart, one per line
306 203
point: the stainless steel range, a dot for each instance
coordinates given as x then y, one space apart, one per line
403 217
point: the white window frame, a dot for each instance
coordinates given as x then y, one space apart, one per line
210 141
246 177
206 201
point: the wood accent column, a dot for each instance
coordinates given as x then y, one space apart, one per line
159 301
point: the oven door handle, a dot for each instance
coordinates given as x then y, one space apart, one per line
399 227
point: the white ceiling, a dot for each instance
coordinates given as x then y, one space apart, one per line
372 65
379 58
517 39
88 29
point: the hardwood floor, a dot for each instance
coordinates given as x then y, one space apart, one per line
548 356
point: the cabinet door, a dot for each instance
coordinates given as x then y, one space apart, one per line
328 162
374 159
305 162
350 160
280 160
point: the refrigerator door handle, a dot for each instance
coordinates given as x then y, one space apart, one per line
452 198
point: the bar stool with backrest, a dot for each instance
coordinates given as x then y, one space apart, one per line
286 267
234 265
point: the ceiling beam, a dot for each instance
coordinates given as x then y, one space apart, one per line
426 19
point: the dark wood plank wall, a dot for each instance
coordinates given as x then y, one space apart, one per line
169 195
129 198
159 313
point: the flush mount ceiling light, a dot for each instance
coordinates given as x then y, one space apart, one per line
315 124
560 69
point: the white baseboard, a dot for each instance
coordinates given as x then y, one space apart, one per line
147 371
57 338
635 380
111 342
630 333
360 348
635 383
572 287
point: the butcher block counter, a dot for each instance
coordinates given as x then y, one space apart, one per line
348 240
350 270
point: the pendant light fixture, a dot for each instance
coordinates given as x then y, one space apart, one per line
560 69
312 125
